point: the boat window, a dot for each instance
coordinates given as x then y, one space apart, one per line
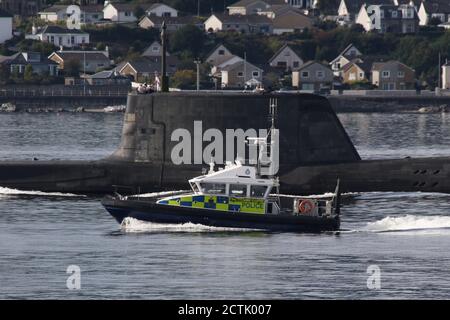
258 191
238 190
194 187
213 188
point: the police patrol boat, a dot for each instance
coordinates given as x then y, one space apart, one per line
239 195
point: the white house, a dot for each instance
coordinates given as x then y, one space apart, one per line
6 26
238 74
348 9
434 9
161 10
154 50
119 12
54 13
446 76
59 36
348 54
239 23
217 69
219 55
88 13
389 18
286 58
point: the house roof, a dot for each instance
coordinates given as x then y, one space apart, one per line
106 74
437 6
249 19
5 59
182 20
80 55
292 20
239 65
377 66
365 65
310 63
5 14
156 5
55 8
19 58
123 6
244 3
151 65
280 51
215 48
344 53
353 6
92 8
151 45
60 30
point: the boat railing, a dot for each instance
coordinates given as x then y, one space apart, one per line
120 190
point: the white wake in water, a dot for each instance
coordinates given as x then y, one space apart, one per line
5 192
133 225
408 223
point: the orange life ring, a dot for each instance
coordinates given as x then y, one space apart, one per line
306 206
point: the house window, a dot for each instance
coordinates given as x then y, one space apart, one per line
221 52
127 13
320 74
401 74
386 74
255 73
155 49
72 39
394 14
305 74
352 76
296 64
361 75
240 74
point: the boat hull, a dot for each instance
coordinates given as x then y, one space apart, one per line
153 212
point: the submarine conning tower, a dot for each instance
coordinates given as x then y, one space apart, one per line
310 132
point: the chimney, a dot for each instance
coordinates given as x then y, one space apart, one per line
107 51
33 29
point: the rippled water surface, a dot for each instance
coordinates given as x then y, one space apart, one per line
407 235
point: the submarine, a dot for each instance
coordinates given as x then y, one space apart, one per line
315 149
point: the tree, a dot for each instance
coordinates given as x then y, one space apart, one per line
4 74
434 21
188 38
138 12
184 79
72 67
28 74
328 7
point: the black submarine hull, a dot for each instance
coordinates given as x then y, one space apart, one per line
153 212
315 150
104 177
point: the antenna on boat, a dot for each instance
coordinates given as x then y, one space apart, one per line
273 111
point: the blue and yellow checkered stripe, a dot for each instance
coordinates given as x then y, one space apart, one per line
220 203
